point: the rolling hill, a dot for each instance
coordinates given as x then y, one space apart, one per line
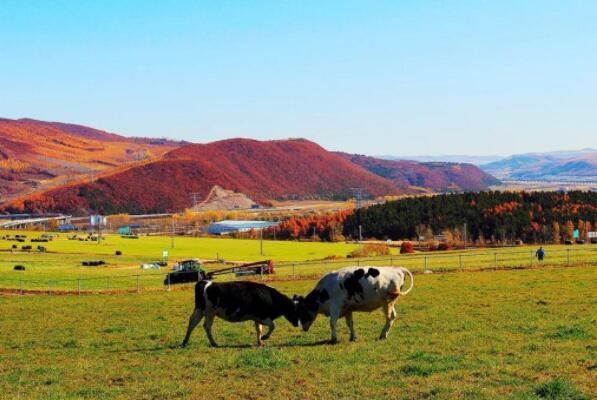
279 169
39 155
433 176
553 166
55 167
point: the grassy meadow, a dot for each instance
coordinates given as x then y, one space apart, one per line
151 247
61 269
522 334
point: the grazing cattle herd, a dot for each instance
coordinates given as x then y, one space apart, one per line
337 295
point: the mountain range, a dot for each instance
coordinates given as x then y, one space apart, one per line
47 166
553 166
556 166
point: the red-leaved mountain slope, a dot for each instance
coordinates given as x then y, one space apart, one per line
433 176
267 170
37 155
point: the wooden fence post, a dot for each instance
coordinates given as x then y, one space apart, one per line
568 257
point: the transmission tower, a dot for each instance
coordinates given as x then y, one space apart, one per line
195 196
358 195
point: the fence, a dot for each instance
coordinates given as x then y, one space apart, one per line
450 261
417 263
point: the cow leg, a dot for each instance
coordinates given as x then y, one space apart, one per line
390 314
193 321
350 323
270 328
209 320
333 323
259 330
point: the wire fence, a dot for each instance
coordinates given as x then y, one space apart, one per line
417 263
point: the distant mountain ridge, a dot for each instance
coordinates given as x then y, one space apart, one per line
460 159
436 176
555 166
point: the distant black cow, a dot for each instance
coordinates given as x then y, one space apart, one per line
238 302
19 268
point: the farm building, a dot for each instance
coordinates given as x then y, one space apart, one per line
229 226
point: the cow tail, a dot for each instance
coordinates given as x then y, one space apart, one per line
200 294
412 281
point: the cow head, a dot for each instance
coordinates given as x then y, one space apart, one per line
306 310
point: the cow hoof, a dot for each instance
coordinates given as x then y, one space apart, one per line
334 341
183 345
214 345
264 337
353 339
382 338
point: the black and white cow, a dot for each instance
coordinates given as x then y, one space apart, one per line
340 293
238 302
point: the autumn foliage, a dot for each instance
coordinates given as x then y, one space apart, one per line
326 227
279 169
407 247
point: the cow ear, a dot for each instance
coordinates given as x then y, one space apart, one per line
295 297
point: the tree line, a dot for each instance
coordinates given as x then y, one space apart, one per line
491 216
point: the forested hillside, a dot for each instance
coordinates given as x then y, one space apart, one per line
431 176
490 216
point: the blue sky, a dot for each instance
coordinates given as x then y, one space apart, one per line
396 77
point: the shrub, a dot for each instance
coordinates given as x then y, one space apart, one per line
407 248
444 246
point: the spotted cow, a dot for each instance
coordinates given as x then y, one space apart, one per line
238 302
340 293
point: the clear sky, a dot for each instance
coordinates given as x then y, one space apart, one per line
395 77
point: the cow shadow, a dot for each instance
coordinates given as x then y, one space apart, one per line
176 346
303 344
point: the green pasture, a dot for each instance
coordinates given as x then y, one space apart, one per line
61 269
519 334
151 247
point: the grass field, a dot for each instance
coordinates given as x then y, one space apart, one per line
524 334
61 269
151 247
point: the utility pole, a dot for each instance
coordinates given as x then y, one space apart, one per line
465 235
358 195
261 241
172 235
